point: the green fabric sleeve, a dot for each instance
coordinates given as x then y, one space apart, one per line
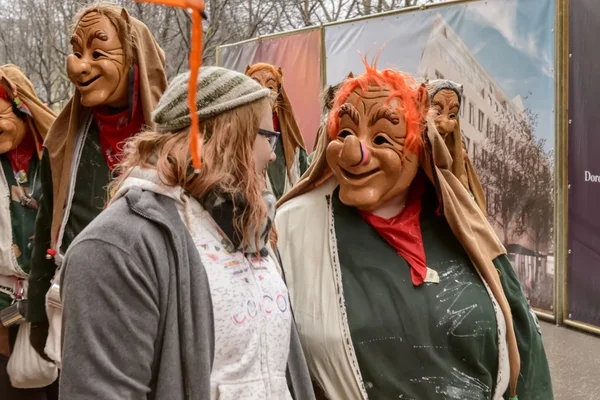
42 270
534 380
304 163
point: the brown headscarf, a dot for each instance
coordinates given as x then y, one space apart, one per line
290 132
466 220
461 166
16 84
61 140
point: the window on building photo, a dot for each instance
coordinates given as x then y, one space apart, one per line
483 93
490 100
510 144
481 121
488 131
471 114
462 107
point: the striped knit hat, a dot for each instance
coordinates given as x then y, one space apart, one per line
218 90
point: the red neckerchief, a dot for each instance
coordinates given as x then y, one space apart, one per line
403 232
19 158
275 121
116 128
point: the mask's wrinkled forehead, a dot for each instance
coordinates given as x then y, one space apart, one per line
372 104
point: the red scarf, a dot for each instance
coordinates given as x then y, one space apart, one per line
275 122
116 128
21 156
403 232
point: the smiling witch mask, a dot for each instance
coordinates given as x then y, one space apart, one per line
375 142
98 66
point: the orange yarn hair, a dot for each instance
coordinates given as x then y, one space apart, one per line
402 87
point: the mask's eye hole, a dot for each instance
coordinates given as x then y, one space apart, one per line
381 140
344 134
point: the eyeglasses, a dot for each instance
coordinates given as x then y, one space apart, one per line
272 136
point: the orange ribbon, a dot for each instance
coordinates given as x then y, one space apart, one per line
197 11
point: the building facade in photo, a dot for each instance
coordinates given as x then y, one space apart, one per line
513 167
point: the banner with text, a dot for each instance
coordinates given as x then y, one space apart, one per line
583 274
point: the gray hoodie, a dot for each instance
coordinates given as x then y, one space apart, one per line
137 311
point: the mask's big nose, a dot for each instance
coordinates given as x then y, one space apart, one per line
77 67
445 125
354 152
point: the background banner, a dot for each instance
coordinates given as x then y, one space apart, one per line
503 53
299 56
583 269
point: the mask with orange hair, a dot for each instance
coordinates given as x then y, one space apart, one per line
375 131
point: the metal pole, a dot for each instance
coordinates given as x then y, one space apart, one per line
323 59
583 327
561 184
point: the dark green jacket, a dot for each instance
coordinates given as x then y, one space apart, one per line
93 175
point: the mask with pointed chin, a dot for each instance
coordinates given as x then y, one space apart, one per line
368 157
445 107
97 66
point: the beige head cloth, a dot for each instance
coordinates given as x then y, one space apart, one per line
16 84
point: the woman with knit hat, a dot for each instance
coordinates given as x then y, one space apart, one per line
173 292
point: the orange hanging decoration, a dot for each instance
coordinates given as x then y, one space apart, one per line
197 11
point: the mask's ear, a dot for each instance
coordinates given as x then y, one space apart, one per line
9 87
125 16
280 71
247 69
350 75
423 100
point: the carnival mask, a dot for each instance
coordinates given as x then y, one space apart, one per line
368 156
12 128
445 107
268 79
97 66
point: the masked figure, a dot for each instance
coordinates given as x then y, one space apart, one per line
24 123
446 97
399 286
290 150
118 72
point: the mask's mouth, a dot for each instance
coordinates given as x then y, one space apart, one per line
88 83
356 177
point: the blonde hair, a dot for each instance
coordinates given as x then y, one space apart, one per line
228 162
115 14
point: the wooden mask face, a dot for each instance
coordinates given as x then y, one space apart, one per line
12 128
445 107
368 156
269 80
97 66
